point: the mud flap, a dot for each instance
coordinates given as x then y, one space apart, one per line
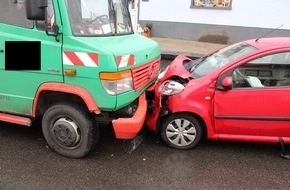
283 153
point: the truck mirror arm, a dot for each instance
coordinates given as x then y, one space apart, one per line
55 31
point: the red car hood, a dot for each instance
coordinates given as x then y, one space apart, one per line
176 68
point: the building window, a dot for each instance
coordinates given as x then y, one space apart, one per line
212 4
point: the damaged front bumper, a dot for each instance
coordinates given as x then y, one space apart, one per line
128 128
157 108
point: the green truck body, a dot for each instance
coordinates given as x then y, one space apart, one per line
80 78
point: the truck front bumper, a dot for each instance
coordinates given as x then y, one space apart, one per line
128 128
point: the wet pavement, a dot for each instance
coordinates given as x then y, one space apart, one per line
27 163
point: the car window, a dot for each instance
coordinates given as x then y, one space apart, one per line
267 71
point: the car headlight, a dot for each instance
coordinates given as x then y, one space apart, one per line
117 83
170 87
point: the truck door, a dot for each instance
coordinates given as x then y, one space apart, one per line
28 56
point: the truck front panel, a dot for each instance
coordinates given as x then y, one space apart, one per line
91 57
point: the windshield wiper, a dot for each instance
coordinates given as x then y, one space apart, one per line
112 16
127 15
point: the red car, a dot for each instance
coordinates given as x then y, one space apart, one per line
238 93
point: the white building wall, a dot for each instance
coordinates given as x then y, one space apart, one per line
246 13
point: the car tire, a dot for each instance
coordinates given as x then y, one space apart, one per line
69 130
181 131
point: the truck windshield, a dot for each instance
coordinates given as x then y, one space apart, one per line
205 65
99 17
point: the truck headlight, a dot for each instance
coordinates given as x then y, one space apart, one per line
117 83
170 87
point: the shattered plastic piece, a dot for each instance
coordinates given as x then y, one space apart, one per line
283 154
130 145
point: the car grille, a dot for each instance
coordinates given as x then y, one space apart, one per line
143 74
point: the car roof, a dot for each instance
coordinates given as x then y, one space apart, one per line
270 43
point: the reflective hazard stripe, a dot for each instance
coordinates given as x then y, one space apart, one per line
80 59
125 60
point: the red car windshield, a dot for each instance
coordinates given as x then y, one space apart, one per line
208 64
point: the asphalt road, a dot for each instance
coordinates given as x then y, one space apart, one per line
27 163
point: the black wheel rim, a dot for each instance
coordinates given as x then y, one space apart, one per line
65 132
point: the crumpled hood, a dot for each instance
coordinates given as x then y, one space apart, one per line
176 68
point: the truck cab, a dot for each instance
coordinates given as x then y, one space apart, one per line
74 64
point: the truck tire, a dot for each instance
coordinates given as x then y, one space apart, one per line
181 131
69 130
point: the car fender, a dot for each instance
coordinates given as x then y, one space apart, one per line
201 108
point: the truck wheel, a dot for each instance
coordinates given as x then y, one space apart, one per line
69 130
181 131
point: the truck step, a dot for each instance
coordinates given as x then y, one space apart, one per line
15 119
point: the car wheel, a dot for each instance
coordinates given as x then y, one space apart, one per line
69 130
181 131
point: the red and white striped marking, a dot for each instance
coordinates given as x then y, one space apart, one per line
125 60
80 59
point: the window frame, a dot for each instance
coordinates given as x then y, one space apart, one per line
195 6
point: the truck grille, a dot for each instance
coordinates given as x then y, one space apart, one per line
143 74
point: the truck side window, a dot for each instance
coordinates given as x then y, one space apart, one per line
13 12
40 25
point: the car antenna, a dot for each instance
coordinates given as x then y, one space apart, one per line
269 32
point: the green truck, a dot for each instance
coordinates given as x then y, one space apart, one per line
74 64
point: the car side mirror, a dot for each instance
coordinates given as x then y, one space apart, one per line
227 83
35 9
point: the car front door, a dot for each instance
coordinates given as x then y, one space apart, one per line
258 103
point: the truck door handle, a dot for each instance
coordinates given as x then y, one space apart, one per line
1 50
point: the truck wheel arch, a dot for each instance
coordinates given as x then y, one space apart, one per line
66 89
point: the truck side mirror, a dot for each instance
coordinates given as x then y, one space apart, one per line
35 9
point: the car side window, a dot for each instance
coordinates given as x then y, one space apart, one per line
13 12
267 71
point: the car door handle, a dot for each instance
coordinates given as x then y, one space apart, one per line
1 50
